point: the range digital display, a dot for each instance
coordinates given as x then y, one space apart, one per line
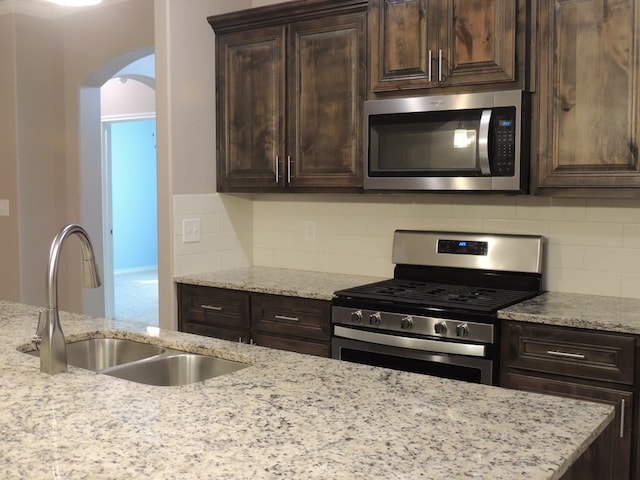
463 247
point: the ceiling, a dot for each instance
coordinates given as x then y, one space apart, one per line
42 8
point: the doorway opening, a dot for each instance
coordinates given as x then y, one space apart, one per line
129 195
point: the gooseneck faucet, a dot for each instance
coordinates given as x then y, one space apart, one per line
49 338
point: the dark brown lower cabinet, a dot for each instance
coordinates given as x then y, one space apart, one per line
619 449
214 312
290 323
580 364
287 323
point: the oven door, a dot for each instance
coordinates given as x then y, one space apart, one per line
457 367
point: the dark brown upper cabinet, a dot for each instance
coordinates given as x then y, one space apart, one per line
587 103
418 44
290 87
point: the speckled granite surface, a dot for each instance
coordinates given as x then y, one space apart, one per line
279 281
612 314
287 416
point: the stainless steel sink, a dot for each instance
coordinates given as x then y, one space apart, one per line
100 353
176 369
145 363
96 354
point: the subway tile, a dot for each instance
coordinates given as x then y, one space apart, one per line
586 234
585 282
563 257
519 227
630 285
186 204
631 236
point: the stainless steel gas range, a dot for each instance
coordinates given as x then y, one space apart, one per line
437 315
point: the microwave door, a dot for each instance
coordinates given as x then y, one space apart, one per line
483 143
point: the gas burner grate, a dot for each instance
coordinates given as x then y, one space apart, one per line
426 294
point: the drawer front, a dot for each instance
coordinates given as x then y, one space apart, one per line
214 306
225 333
320 349
568 352
291 316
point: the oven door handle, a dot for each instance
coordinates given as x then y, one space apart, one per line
423 344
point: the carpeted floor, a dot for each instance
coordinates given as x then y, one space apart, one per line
136 296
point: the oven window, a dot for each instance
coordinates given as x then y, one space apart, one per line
436 369
418 143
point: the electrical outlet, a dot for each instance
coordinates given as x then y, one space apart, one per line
310 230
190 230
4 208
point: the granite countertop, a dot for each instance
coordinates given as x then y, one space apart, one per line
279 281
611 314
286 416
594 312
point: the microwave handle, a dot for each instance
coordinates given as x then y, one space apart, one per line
483 142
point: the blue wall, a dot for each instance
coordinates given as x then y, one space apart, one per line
134 194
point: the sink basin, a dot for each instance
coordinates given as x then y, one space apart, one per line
145 363
96 354
100 353
175 369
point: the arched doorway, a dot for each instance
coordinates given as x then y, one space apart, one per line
120 101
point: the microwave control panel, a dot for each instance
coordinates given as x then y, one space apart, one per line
503 127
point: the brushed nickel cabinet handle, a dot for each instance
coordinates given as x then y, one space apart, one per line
622 418
429 74
440 65
285 317
211 307
288 168
555 353
277 169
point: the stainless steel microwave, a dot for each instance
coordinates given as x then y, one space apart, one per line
459 142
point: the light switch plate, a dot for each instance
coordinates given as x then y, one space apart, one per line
190 230
4 208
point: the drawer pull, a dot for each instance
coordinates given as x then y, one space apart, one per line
285 317
555 353
211 307
622 418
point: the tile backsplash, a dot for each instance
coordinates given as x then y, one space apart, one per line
593 246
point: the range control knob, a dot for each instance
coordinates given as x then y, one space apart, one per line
356 317
375 319
406 323
440 328
462 330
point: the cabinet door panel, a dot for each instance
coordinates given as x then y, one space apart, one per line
402 34
623 402
478 41
588 94
326 92
250 107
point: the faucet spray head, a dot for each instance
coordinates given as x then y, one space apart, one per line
90 273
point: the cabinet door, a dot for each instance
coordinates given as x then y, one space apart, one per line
587 101
250 108
326 95
429 43
477 42
623 402
403 42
